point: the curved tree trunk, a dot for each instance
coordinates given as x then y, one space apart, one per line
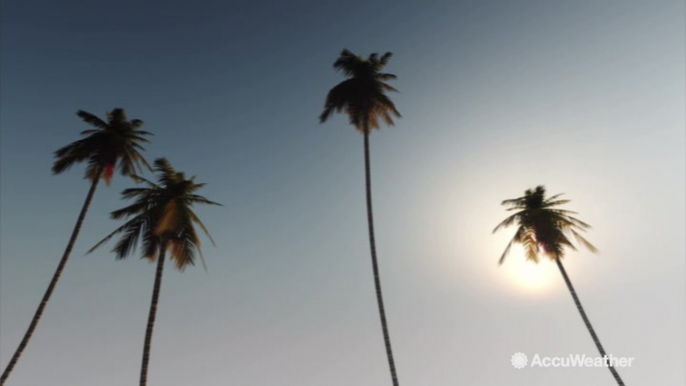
372 245
586 321
151 316
53 283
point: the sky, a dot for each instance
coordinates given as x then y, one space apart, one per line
585 97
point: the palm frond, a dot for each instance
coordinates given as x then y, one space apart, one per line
138 179
578 223
514 201
151 244
122 228
384 59
528 241
515 239
582 240
507 222
386 77
554 197
128 211
197 221
555 203
171 219
127 243
195 199
91 119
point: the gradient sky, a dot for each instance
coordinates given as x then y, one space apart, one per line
586 97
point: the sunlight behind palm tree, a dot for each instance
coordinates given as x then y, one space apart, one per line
527 277
544 231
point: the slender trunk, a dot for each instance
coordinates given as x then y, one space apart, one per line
586 321
372 245
151 316
53 283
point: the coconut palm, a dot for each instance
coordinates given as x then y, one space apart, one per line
362 97
546 229
111 142
162 217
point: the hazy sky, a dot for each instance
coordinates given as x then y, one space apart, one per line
586 97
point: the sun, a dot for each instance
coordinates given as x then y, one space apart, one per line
527 275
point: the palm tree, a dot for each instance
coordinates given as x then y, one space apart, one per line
113 141
362 97
162 216
545 229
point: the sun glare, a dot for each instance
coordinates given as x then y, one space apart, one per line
527 275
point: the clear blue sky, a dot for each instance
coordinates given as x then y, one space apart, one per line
585 97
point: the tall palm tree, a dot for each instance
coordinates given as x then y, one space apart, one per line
115 140
362 97
162 216
546 229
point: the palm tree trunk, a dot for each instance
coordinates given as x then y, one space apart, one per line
53 282
586 321
372 245
151 316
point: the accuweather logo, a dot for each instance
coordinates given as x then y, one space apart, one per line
519 360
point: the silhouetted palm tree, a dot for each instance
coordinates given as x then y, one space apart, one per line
362 97
545 229
114 141
162 216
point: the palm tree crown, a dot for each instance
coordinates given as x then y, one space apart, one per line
116 139
162 216
362 95
542 227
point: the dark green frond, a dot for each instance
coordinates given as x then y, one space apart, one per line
117 231
128 211
151 244
127 243
555 203
91 119
386 77
554 197
136 123
195 199
384 59
507 222
69 155
516 239
580 224
141 180
584 242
